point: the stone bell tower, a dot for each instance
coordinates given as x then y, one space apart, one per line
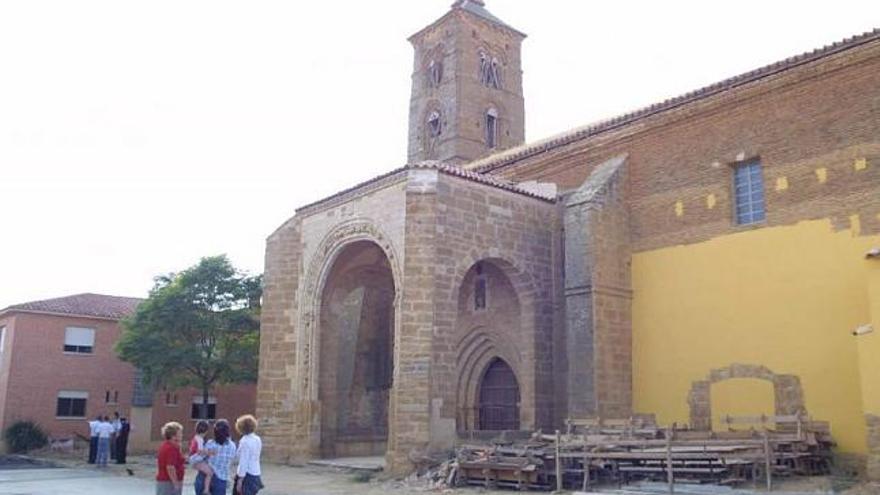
467 97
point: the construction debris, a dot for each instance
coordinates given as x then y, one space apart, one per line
617 452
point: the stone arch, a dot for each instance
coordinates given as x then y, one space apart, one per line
356 342
479 340
475 351
322 261
787 391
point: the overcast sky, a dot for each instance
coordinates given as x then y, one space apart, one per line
136 137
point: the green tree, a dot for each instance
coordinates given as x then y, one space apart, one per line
198 328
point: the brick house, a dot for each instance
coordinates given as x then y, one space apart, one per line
58 368
701 256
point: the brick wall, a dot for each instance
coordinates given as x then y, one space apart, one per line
232 402
815 129
40 369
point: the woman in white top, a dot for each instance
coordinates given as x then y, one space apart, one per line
249 448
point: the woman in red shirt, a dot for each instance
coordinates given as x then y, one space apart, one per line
169 479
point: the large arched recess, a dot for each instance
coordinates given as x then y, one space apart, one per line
502 330
356 321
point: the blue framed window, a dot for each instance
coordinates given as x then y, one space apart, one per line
748 186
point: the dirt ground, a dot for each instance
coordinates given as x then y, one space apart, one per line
307 480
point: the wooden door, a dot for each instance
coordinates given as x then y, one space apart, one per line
499 398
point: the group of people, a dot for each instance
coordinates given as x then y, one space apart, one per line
108 439
211 458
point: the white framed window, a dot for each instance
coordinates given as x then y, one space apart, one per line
748 193
196 411
79 340
2 342
171 399
71 404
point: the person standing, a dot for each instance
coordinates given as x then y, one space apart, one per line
105 430
221 452
169 478
122 441
116 425
249 448
93 438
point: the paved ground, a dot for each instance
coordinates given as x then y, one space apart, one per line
69 482
78 478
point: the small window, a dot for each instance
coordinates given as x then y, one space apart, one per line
491 128
435 126
748 184
480 289
196 412
79 340
170 399
111 397
71 404
2 342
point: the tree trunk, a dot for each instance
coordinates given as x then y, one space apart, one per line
203 408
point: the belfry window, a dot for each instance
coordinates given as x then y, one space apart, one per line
435 127
480 289
748 185
491 128
489 71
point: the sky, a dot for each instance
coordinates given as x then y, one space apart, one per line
137 137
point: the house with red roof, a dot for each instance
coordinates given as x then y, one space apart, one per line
59 369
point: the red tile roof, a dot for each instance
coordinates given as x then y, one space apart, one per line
443 168
509 157
95 305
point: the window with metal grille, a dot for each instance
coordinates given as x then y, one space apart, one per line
748 185
196 411
71 404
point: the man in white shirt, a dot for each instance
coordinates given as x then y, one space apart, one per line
93 439
105 430
117 425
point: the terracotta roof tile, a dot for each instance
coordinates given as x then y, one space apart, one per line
508 157
441 167
97 305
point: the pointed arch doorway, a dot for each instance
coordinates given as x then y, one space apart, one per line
499 398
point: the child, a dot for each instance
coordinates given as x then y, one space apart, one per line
198 457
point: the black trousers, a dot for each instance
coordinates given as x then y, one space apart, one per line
121 447
93 449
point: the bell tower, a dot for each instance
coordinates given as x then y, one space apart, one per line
467 98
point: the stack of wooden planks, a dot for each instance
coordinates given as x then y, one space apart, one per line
617 451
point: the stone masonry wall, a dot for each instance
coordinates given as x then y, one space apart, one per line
520 236
282 422
598 295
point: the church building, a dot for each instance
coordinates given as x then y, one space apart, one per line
716 253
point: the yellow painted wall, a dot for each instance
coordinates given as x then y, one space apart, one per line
784 297
869 344
727 400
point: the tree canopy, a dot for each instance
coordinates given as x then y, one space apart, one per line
198 328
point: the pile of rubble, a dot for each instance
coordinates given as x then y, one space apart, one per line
618 452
